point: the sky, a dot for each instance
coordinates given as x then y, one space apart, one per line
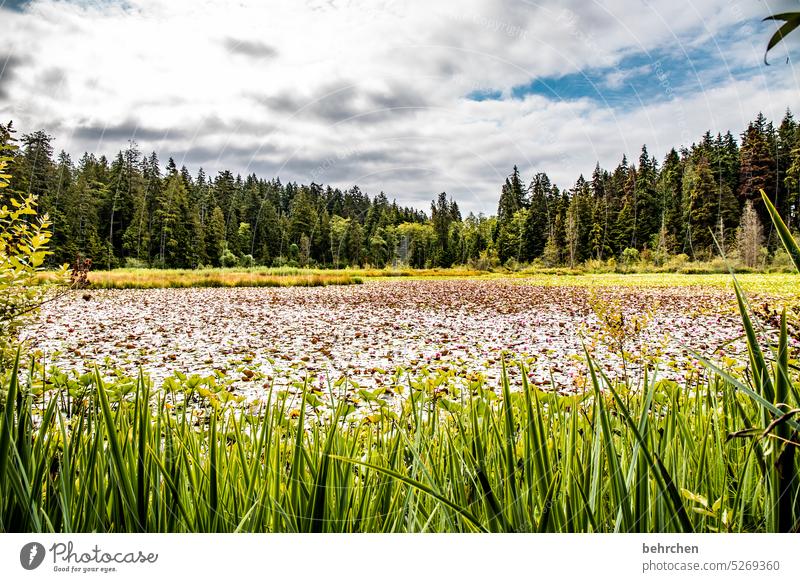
409 97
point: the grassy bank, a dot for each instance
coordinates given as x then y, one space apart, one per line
252 277
181 278
761 283
774 284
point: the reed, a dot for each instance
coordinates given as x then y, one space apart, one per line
655 457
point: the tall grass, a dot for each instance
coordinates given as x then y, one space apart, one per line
656 457
251 277
181 278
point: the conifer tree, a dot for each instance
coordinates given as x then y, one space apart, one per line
537 219
758 170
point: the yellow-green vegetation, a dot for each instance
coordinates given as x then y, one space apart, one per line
251 277
656 457
23 247
777 284
178 278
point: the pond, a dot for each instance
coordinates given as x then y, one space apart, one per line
375 333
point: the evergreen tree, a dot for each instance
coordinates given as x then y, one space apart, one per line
443 213
33 170
647 215
215 236
787 138
537 220
758 170
670 191
700 211
512 197
512 200
130 210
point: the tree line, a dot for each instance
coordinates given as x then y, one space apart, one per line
129 211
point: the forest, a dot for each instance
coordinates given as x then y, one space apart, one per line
129 211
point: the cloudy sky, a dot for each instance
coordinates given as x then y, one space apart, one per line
411 97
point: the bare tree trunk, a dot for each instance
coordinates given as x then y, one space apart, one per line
750 237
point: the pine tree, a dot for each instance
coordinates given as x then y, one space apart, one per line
625 229
615 192
173 222
757 168
787 138
647 215
215 236
33 170
512 197
537 220
670 190
303 217
601 215
53 203
267 233
700 195
792 182
117 210
572 229
512 200
582 201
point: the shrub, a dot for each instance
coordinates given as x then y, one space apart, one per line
23 248
781 262
630 256
487 261
133 263
599 266
227 259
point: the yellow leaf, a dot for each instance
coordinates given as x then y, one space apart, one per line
694 497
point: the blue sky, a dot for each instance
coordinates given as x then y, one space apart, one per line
663 73
16 5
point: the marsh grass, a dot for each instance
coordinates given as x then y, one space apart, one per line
176 278
252 277
656 457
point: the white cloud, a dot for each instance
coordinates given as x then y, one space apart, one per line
370 92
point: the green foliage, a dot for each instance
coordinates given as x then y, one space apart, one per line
109 456
24 237
791 20
227 259
630 256
774 403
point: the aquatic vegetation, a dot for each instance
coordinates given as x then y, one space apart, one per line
367 332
